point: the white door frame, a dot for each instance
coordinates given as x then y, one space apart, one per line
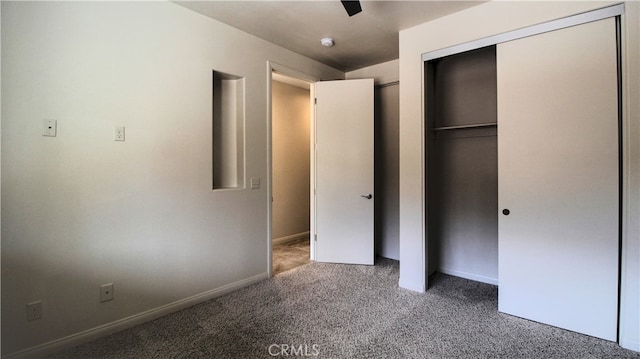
271 67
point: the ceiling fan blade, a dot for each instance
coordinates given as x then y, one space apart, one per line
352 6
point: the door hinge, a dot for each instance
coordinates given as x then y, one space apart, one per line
315 237
315 101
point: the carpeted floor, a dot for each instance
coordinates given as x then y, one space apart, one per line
348 311
290 255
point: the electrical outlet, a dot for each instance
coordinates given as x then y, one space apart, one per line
49 128
34 310
118 133
106 292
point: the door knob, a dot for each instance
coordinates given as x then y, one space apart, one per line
367 196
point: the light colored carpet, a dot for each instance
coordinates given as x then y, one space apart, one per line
348 311
290 255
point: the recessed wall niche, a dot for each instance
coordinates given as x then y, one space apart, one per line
228 131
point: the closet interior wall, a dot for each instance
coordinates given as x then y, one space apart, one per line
386 169
462 165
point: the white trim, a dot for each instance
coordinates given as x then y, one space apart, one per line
312 175
553 25
292 238
415 286
270 70
467 275
85 336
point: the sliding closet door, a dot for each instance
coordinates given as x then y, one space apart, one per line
558 178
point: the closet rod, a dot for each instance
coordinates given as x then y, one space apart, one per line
461 127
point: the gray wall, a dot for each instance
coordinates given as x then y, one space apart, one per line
80 210
386 171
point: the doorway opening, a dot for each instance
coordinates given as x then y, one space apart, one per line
290 172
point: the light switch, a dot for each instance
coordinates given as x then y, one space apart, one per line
255 182
49 128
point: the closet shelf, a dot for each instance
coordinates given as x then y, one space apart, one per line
462 127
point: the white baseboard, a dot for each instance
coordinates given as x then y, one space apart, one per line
291 238
470 276
73 340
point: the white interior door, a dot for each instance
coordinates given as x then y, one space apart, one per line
558 177
344 171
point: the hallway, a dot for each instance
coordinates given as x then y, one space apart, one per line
290 255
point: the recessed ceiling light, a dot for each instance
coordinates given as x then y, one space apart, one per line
327 42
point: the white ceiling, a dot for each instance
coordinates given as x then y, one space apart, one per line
367 38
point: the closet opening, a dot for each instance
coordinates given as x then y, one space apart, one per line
462 165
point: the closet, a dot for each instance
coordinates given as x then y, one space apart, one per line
523 169
462 165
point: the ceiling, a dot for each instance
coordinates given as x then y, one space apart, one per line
367 38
